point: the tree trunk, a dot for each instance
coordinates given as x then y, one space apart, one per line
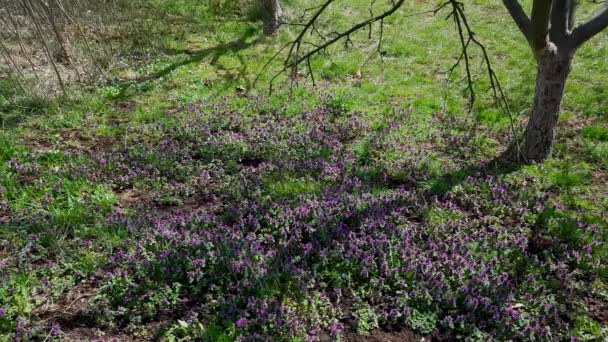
272 16
552 73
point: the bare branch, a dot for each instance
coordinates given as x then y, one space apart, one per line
458 17
588 30
465 30
10 61
15 30
519 16
30 11
84 38
294 58
310 24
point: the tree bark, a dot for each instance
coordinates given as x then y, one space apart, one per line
272 16
552 72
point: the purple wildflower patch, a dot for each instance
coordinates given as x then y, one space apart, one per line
303 237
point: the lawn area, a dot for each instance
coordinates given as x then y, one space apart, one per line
185 201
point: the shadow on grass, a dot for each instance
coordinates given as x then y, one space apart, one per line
21 109
214 53
501 165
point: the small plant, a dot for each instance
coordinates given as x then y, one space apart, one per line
587 329
111 92
367 319
184 331
422 322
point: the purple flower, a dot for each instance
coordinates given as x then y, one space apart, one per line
242 323
56 330
514 313
400 247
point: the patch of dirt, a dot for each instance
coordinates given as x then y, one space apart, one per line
72 139
73 316
399 335
191 205
5 217
71 305
125 106
75 138
72 134
537 244
39 145
5 258
598 310
21 60
138 199
133 198
573 126
84 334
600 176
146 332
71 313
103 143
389 334
403 335
27 179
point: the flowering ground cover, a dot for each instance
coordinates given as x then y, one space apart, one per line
182 209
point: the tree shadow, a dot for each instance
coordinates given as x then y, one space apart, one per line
215 53
503 164
22 109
